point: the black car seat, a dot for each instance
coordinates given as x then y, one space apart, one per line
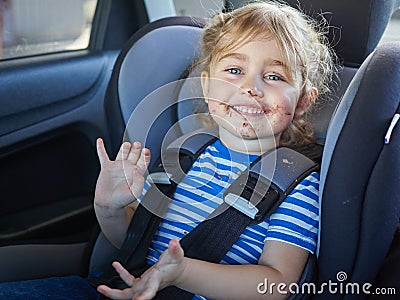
178 37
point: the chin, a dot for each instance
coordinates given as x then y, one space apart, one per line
248 136
247 133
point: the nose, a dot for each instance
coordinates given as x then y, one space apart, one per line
253 87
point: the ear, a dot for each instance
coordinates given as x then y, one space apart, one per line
305 103
205 84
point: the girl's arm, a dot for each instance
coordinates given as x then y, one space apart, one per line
280 264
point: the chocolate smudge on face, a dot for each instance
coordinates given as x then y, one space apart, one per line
226 107
280 110
247 131
276 110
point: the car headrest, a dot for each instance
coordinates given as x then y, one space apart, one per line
155 56
355 27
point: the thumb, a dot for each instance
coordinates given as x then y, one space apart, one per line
101 151
175 248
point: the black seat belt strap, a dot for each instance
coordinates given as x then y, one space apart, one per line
142 228
212 239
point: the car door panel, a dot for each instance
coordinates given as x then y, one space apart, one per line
36 92
52 112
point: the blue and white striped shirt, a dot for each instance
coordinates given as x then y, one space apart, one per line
295 221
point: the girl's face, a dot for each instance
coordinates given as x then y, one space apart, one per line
248 93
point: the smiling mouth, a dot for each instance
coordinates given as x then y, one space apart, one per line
249 111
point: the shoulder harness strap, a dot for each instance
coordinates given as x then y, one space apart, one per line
171 168
249 200
259 190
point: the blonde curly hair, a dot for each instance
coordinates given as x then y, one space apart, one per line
302 42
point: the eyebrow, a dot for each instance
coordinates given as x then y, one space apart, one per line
244 57
235 55
275 62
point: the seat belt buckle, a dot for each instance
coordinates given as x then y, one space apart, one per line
253 195
241 204
159 178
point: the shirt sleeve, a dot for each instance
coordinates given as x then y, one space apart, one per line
296 220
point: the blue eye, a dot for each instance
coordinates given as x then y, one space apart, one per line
272 77
235 71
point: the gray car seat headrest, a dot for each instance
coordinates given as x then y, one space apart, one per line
355 27
154 57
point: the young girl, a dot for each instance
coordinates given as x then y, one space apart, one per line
263 67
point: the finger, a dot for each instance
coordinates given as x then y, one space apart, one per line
135 152
123 273
114 293
144 159
174 247
101 151
123 151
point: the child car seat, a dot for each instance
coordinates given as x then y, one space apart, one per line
360 199
178 38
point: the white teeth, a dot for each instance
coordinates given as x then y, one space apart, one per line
248 110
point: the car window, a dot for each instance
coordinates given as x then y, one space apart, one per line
157 9
31 27
203 8
392 32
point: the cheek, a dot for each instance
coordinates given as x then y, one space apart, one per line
283 109
280 123
283 112
218 108
220 91
280 117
